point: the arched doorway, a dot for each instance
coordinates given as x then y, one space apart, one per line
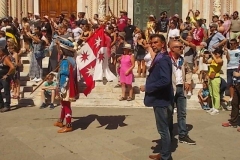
53 8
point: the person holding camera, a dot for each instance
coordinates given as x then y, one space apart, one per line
216 39
232 64
216 63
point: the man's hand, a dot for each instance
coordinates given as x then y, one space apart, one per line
236 74
142 88
187 86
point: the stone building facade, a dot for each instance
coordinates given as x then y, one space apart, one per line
206 7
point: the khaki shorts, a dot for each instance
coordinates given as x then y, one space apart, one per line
188 71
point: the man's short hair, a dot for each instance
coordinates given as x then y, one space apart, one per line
160 36
2 33
233 40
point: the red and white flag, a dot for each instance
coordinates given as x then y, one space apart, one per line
93 60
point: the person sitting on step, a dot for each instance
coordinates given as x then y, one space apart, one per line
203 96
48 90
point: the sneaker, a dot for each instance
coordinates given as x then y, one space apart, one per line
43 106
215 112
38 80
229 108
210 110
5 109
206 107
51 106
189 94
187 140
34 79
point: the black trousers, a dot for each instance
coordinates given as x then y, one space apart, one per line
5 84
235 106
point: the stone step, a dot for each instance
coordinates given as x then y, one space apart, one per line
26 60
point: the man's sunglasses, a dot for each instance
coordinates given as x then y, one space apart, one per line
180 47
175 38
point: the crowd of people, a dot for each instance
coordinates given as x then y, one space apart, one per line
168 52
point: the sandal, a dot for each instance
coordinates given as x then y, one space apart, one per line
138 76
118 85
129 99
15 97
122 99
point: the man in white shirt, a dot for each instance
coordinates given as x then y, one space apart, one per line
180 84
77 31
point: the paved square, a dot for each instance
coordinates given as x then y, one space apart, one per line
110 134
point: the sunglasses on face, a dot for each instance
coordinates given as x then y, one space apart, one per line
175 38
179 47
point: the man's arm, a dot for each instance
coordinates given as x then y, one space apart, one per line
165 72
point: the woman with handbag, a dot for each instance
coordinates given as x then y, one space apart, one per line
35 72
216 63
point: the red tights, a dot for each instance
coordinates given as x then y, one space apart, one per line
66 111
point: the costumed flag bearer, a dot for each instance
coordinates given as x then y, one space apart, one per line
68 89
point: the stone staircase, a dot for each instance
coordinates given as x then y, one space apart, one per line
103 95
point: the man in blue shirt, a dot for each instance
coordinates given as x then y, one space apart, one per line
159 94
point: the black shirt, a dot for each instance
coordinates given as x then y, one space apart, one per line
129 32
3 68
82 21
162 25
119 50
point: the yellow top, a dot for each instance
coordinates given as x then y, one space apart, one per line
193 20
214 67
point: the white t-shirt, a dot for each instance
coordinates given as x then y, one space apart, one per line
76 33
148 60
178 73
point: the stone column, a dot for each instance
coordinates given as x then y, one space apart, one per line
3 8
185 8
19 10
81 5
89 9
30 6
217 7
24 7
14 6
36 6
101 8
95 6
130 9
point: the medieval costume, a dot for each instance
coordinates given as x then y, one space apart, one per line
68 89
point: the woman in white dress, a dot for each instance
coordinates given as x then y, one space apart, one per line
202 67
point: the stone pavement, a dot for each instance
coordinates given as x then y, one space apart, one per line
110 133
